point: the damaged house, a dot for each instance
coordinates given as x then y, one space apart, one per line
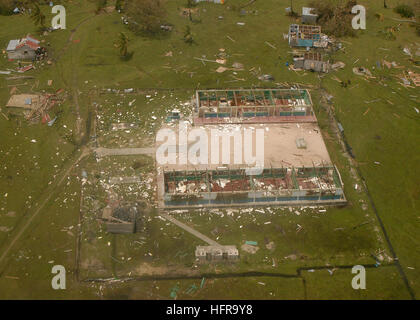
307 36
23 49
120 219
311 61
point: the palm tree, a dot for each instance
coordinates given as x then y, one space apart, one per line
122 44
37 16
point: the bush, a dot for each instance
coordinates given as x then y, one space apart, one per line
404 11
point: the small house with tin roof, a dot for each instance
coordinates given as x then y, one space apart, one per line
23 49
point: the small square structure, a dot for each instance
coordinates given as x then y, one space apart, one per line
308 15
301 143
120 219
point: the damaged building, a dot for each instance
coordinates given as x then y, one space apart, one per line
27 48
34 106
253 106
295 170
313 61
274 186
120 219
308 36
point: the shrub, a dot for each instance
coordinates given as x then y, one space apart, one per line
404 11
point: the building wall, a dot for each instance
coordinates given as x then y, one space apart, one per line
120 227
309 19
318 66
251 198
21 54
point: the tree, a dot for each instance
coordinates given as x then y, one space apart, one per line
122 44
145 16
100 4
188 36
38 17
191 4
292 12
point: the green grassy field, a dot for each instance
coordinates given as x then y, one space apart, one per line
384 135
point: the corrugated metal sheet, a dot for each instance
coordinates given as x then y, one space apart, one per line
12 45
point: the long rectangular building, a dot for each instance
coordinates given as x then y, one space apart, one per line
253 106
274 186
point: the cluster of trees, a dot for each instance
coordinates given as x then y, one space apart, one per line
334 18
145 16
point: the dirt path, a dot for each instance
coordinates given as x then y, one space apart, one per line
103 152
190 230
59 181
73 32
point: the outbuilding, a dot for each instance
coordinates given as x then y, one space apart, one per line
23 49
309 16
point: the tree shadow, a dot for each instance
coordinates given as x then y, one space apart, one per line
128 56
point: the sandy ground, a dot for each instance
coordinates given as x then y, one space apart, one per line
279 146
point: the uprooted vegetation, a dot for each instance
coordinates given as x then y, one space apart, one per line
335 18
